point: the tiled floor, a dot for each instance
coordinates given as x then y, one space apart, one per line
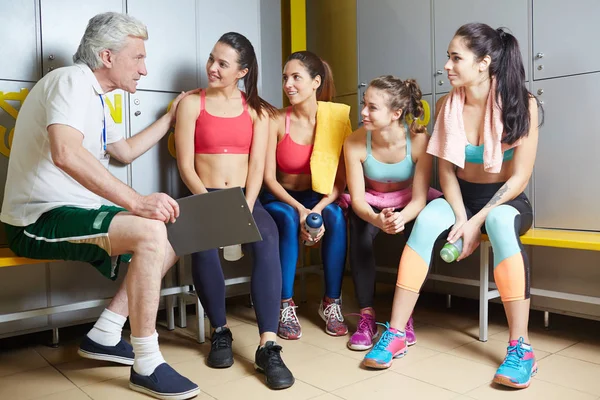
448 362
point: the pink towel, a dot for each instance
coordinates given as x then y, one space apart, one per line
449 139
381 200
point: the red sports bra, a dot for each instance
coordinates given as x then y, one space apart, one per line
220 135
293 158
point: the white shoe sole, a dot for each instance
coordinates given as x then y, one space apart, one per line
105 357
175 396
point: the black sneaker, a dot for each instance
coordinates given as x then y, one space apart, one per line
164 383
221 354
268 361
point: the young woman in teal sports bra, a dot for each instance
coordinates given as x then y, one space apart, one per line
388 173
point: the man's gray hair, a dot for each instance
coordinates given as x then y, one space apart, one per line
108 31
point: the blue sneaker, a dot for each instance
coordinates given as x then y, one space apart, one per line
392 344
518 367
122 353
164 383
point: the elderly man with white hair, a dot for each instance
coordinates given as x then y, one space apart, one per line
57 184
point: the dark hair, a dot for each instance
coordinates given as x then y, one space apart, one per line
316 66
508 70
405 95
247 59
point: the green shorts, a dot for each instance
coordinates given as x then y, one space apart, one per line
69 233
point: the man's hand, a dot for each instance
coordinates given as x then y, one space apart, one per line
172 111
157 206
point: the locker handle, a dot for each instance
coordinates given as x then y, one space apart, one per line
51 57
137 113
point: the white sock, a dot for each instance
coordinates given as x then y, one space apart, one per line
107 330
147 354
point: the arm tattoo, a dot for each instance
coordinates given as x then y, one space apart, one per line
497 196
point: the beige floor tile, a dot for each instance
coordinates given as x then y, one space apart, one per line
21 360
493 329
537 390
33 384
74 394
585 351
201 374
491 352
191 328
253 387
85 372
441 339
294 352
391 385
326 396
66 352
414 355
177 347
245 335
334 371
551 341
317 337
118 389
571 373
450 372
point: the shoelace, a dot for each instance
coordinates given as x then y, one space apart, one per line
334 310
222 340
386 338
363 322
288 314
274 355
514 355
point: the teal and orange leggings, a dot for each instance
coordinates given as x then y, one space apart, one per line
504 224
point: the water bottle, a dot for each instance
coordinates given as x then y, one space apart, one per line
233 252
451 251
313 225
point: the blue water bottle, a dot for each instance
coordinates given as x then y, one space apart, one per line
313 225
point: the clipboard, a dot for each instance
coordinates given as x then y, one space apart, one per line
212 220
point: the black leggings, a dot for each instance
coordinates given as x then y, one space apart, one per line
266 276
362 257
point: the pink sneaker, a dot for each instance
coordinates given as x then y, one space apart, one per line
410 332
366 332
331 312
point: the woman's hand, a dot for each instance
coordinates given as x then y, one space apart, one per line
470 232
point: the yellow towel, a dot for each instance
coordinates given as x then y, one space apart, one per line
333 126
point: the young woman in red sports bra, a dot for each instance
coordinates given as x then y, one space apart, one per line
221 140
290 198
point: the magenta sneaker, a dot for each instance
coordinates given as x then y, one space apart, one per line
410 332
366 332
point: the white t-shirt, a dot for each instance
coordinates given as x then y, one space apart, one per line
34 184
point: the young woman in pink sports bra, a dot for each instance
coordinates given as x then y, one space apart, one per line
289 198
221 141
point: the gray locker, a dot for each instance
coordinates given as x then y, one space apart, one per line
567 46
240 16
12 95
450 15
63 25
271 59
567 187
19 45
394 37
171 47
156 170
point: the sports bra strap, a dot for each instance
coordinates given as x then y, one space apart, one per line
202 99
368 143
288 117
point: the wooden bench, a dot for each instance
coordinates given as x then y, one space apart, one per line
10 259
556 238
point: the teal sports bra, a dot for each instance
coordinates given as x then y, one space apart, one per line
382 172
474 154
